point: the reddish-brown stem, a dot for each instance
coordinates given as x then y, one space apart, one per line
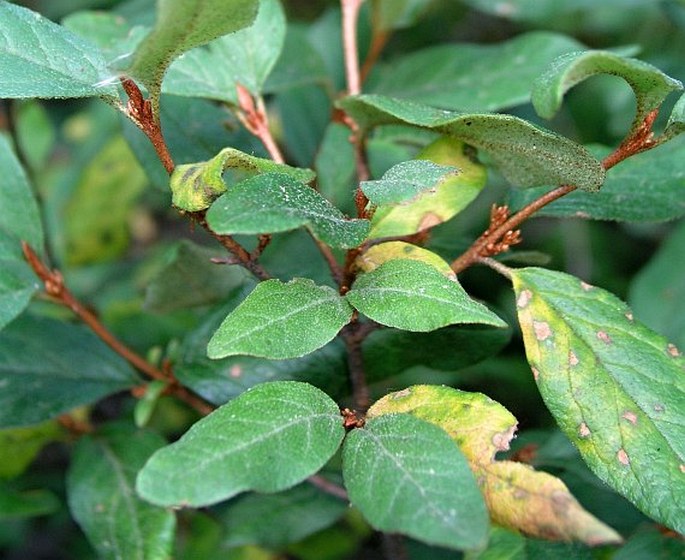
353 335
336 270
350 14
378 42
55 288
254 117
140 111
328 486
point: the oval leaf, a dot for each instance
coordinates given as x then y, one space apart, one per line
39 58
267 439
281 321
376 255
414 296
275 202
406 476
651 85
517 496
616 388
100 487
19 446
527 156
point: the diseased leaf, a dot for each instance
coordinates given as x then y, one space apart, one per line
181 26
517 496
274 202
526 155
650 85
644 188
281 321
19 446
39 58
406 476
267 440
615 387
245 57
100 488
48 367
412 295
416 195
472 77
195 186
381 253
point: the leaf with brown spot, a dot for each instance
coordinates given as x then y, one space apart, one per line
615 387
517 496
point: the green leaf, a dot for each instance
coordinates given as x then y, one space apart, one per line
245 57
381 253
526 155
97 216
416 195
614 387
650 85
274 202
190 279
181 27
657 292
335 169
35 133
19 446
281 321
18 283
407 476
412 295
146 405
29 503
472 77
676 122
397 14
39 58
644 188
195 186
517 496
267 440
48 367
275 520
100 488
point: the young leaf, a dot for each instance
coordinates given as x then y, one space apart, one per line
39 58
472 77
48 367
267 439
281 321
644 188
406 476
274 202
412 295
616 388
245 57
416 195
182 26
381 253
517 496
100 487
526 155
650 85
195 186
19 446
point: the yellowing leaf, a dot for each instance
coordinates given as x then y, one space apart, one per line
517 496
376 255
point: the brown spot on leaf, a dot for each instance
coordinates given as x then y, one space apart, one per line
604 337
622 457
587 287
501 439
520 494
630 416
659 408
630 317
572 358
542 330
536 373
429 220
235 371
401 394
682 469
673 350
524 298
583 430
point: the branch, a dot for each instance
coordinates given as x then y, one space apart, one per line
353 336
350 15
255 118
378 42
328 486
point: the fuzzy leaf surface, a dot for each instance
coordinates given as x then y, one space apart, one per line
644 188
415 296
274 202
48 367
279 321
267 439
245 57
473 77
615 387
527 156
407 476
181 26
676 122
102 499
517 496
650 85
381 253
39 58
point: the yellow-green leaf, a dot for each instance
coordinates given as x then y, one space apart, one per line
376 255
